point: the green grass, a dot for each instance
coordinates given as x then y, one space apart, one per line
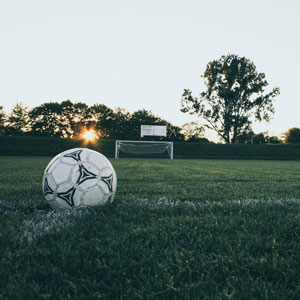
182 229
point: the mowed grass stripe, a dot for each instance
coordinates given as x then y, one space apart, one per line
170 234
179 179
199 180
45 222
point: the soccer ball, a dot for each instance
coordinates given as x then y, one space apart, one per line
79 178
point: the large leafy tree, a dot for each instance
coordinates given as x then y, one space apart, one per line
234 98
45 120
101 119
65 119
119 121
74 117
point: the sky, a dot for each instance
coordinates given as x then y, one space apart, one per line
139 54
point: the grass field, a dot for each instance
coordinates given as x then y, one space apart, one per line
182 229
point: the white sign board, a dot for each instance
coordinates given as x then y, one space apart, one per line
153 130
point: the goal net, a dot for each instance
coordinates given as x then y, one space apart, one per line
143 148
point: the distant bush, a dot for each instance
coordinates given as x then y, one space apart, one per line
44 146
237 151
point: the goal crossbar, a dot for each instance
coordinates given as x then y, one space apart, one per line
143 147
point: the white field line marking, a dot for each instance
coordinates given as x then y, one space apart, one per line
164 202
44 223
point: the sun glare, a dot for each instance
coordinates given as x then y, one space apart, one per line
89 135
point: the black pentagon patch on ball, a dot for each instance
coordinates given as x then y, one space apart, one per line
75 155
47 189
108 180
85 174
68 196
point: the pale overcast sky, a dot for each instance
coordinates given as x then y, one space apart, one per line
139 54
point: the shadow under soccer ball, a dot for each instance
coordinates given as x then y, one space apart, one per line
79 178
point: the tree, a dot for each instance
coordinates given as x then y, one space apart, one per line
74 117
235 97
101 120
259 138
45 120
119 124
18 119
193 132
292 136
246 137
273 140
65 119
110 123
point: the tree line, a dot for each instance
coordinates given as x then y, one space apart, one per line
235 97
70 120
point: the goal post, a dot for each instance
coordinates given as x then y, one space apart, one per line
143 148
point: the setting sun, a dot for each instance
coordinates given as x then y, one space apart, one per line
89 135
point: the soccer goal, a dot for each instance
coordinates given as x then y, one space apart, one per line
143 148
